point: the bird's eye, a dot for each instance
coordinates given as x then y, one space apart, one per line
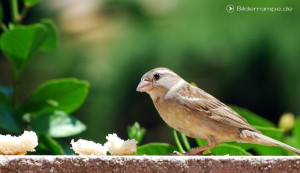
156 76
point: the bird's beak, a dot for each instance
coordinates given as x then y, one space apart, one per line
144 86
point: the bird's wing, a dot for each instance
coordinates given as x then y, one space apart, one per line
195 99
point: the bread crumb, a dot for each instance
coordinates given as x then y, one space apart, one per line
13 145
84 147
117 146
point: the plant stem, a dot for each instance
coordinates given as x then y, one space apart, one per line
23 13
185 142
180 148
14 10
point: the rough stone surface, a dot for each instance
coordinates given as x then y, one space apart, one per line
148 164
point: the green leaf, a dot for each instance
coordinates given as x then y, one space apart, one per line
57 124
8 120
136 132
51 144
61 94
252 118
30 3
274 133
296 133
20 43
201 142
5 95
245 146
155 149
6 91
268 150
224 149
3 99
290 140
51 42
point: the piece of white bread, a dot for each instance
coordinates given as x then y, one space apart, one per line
117 146
84 147
13 145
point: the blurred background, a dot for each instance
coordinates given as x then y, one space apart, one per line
248 59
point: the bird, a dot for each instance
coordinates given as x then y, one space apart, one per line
197 114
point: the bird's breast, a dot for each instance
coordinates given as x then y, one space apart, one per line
194 124
182 120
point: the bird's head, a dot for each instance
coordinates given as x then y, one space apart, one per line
158 81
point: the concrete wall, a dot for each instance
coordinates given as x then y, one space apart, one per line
148 164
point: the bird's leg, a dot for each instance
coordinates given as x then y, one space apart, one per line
200 150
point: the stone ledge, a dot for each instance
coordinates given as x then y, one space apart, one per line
149 164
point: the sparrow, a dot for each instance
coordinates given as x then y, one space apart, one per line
197 114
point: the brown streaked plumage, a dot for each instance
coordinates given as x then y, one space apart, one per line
198 114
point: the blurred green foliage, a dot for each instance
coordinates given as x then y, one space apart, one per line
47 109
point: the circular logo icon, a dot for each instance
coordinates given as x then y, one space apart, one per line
230 8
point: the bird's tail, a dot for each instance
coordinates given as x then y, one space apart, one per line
259 138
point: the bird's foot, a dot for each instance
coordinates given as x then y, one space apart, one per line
190 153
199 151
198 154
195 152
